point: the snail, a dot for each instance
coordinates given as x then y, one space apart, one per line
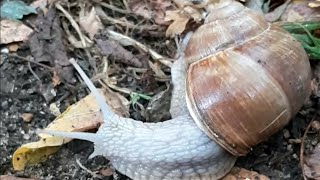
240 80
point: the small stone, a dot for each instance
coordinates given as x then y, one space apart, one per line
295 141
26 136
286 133
106 171
54 109
4 104
27 117
315 125
295 156
5 50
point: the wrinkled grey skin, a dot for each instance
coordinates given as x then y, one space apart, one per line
174 149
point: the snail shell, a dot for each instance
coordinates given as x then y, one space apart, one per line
246 78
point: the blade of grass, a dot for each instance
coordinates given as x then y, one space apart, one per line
301 31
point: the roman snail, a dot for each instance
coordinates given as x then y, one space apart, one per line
240 80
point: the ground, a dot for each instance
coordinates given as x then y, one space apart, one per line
277 158
22 92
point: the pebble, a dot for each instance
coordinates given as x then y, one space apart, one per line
286 133
27 117
295 156
4 104
26 136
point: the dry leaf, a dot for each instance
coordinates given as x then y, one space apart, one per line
181 17
160 7
312 164
82 116
140 8
179 22
55 79
237 173
13 31
300 11
90 22
110 47
155 10
314 4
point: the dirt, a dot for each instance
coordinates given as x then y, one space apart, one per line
22 92
277 158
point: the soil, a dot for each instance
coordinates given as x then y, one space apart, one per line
22 92
278 158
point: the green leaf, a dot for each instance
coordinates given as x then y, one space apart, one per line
135 97
300 27
15 10
302 32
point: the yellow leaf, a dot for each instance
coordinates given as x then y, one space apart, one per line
28 156
81 116
314 4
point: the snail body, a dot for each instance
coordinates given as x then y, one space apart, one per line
235 86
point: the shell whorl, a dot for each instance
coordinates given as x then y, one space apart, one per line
254 77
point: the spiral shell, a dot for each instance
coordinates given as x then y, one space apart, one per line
246 77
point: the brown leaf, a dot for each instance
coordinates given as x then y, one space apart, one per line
300 11
140 8
113 48
179 22
13 31
55 79
160 7
90 22
155 10
181 17
312 163
237 173
46 45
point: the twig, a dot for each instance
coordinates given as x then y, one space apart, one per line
125 40
104 79
302 149
33 73
73 23
88 171
32 61
111 7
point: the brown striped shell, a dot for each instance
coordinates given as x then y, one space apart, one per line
246 77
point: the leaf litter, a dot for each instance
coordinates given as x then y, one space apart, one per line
13 31
124 30
46 45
